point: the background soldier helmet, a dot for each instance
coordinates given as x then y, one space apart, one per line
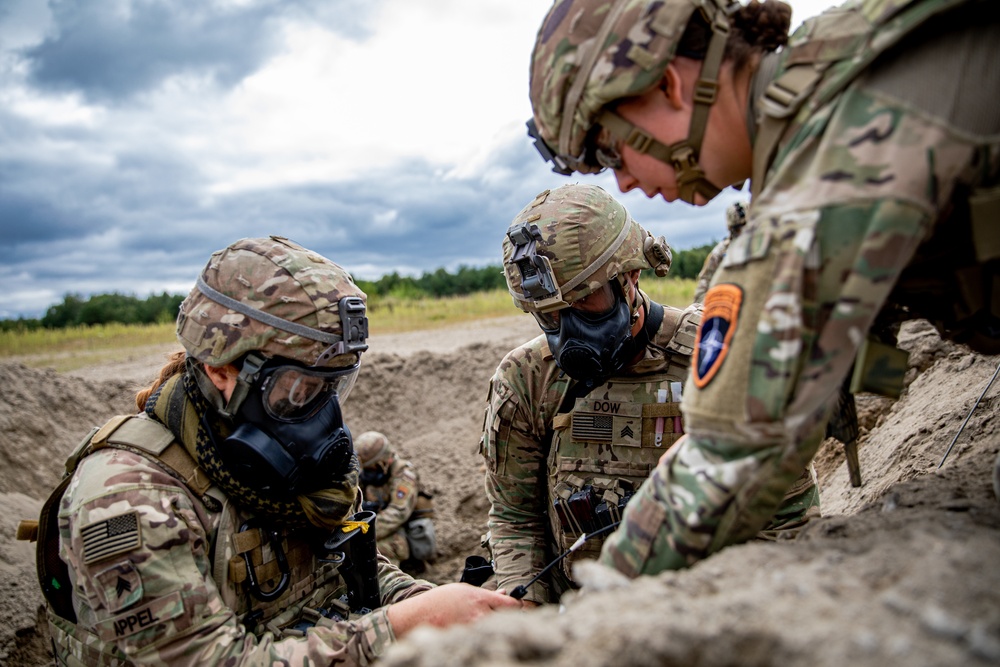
273 295
571 241
372 447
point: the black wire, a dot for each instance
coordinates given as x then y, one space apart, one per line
522 590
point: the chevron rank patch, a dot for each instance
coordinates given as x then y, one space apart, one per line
116 535
719 318
119 586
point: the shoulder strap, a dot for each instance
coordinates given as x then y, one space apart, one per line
839 36
156 441
136 432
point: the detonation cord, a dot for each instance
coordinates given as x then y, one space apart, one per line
522 590
968 417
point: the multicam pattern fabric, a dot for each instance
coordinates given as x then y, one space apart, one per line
709 268
577 225
179 598
397 499
736 220
865 208
294 283
525 394
523 469
640 38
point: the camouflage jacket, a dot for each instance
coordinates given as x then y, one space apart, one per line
709 268
870 203
396 499
160 577
525 394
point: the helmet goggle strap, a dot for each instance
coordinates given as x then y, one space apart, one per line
540 292
683 155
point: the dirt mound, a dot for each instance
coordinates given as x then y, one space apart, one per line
905 569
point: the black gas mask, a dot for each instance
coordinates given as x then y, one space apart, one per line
374 475
291 437
591 346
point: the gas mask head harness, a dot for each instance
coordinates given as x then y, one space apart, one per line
289 433
588 345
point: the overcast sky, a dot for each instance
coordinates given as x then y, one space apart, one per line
139 136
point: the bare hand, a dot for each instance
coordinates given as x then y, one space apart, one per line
447 605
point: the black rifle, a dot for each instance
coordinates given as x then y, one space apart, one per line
355 551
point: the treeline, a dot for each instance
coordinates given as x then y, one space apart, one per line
75 311
159 308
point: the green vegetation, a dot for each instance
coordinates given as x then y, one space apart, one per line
78 346
81 332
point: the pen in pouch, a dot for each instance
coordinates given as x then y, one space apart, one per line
661 397
675 396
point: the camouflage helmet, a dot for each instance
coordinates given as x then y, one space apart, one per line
274 296
571 241
372 447
589 53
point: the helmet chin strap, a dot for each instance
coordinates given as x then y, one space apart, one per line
683 155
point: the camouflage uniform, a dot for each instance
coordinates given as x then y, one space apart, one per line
172 561
735 220
876 162
540 449
396 500
175 591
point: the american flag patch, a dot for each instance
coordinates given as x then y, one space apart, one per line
588 426
111 536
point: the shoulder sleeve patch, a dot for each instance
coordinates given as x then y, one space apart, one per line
110 537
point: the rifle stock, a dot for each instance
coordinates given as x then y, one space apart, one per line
360 563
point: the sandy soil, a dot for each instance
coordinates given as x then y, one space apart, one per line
905 570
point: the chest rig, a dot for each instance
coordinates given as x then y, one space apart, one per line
271 580
604 445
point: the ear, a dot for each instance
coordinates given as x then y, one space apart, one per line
673 86
221 375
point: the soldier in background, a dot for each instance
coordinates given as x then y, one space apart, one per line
870 138
578 417
192 533
392 490
736 219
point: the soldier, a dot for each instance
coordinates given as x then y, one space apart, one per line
871 142
736 219
392 490
577 417
191 533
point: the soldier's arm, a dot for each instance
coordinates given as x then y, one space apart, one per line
401 503
792 302
148 588
515 486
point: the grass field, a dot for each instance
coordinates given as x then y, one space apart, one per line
68 349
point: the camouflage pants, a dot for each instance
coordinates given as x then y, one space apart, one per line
394 546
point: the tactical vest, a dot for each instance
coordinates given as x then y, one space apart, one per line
960 264
249 562
605 444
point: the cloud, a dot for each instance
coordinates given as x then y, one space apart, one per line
112 50
139 136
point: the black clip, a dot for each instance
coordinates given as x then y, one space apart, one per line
279 554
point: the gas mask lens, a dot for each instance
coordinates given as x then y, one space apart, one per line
293 393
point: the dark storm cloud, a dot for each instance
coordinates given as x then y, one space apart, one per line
110 50
144 225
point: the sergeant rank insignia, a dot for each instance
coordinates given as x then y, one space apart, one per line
718 323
